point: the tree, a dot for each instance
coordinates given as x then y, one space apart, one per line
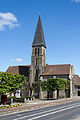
60 85
48 86
31 87
3 83
53 84
18 81
67 88
9 82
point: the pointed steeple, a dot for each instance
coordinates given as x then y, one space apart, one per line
39 35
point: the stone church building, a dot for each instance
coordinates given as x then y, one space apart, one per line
39 70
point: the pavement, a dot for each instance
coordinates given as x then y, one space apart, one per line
77 118
37 104
70 110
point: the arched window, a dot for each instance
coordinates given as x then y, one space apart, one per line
36 61
38 51
43 52
35 51
36 75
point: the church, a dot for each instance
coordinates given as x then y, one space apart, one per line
39 70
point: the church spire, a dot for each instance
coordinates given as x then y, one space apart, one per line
39 35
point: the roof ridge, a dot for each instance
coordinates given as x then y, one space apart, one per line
19 65
58 65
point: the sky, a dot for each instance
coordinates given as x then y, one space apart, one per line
61 26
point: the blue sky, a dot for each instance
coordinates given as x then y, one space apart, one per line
61 25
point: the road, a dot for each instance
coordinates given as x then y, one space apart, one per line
68 111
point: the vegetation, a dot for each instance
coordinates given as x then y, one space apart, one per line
10 106
53 84
31 87
9 82
21 99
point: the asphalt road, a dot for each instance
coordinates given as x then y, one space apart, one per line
68 111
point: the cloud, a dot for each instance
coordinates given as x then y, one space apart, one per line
7 20
76 1
17 60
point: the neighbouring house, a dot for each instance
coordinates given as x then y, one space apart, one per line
76 85
39 70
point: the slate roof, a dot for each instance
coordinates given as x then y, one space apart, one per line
76 80
39 35
22 70
57 69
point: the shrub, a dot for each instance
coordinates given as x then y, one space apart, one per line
21 100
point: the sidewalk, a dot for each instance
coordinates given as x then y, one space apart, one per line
36 105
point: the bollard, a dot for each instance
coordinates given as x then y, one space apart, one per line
24 100
31 99
11 100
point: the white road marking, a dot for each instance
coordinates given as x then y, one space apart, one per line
19 115
53 112
44 112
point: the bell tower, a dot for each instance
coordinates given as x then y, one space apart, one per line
38 58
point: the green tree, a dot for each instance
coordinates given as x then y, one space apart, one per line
18 80
4 88
60 85
11 82
53 84
49 85
67 88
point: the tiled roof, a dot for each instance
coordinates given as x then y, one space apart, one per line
48 69
76 80
39 35
23 70
57 69
13 69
